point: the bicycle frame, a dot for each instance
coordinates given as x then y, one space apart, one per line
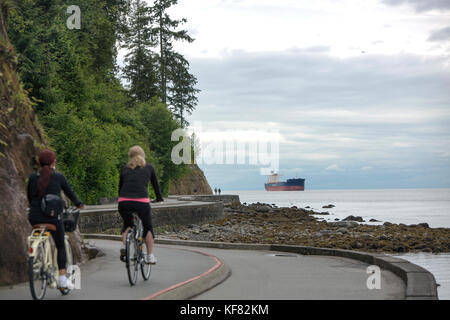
38 237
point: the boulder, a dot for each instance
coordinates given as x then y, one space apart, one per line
353 218
345 224
423 225
342 230
328 206
262 209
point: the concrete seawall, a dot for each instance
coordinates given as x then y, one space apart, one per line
172 212
227 199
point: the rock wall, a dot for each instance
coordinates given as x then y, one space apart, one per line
21 138
17 150
97 221
186 185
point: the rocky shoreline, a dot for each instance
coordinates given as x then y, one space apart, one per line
265 223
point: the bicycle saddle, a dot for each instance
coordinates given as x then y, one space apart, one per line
47 226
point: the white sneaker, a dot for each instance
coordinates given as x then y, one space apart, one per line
150 259
62 282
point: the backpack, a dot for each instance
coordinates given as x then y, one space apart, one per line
51 205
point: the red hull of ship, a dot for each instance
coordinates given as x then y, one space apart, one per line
286 188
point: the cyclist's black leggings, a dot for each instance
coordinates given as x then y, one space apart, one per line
126 208
58 237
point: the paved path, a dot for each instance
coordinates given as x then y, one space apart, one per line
168 202
260 275
255 275
106 277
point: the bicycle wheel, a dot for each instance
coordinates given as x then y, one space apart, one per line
146 269
132 256
69 262
37 274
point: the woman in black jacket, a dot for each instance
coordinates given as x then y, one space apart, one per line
48 181
133 197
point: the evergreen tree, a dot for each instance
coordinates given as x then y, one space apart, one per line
176 83
181 97
141 65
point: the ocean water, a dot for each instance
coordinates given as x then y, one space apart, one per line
408 206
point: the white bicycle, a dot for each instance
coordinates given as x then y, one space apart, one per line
42 260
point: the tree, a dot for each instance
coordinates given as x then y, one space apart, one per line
181 97
176 83
141 64
159 125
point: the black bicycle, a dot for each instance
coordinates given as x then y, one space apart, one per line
134 252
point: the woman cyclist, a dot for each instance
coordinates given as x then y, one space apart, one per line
133 197
48 181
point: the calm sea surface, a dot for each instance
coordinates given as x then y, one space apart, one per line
408 206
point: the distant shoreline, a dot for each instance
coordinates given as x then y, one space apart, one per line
226 191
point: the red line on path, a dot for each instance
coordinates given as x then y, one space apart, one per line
218 264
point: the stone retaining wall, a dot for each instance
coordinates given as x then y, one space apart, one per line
227 199
94 221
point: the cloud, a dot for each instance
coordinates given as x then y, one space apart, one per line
295 87
421 5
373 114
334 167
440 35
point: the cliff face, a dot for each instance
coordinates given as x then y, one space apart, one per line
20 141
194 179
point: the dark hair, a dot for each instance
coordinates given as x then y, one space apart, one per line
46 158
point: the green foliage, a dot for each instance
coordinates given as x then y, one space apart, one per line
177 85
90 119
158 125
152 66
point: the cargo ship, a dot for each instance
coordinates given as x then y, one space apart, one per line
274 184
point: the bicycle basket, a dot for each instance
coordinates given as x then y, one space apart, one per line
70 219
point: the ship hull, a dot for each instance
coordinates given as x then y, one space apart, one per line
289 185
284 188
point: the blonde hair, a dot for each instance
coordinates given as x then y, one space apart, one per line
136 157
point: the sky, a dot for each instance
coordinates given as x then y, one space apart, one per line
355 93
